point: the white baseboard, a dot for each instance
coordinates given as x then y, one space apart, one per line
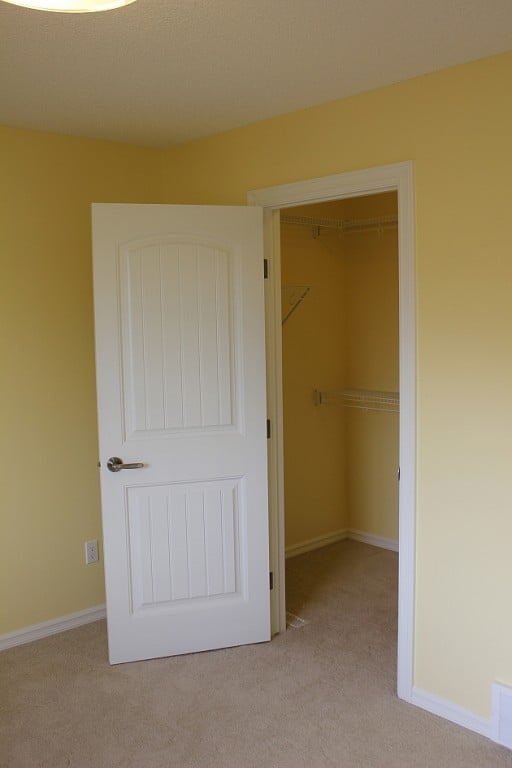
375 541
316 543
501 718
47 628
450 711
341 535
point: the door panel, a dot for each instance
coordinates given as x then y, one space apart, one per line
184 543
177 311
181 390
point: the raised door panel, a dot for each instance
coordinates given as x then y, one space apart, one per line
177 324
185 543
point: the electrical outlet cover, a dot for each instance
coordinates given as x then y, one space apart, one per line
91 551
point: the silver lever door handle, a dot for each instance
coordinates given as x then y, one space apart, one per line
115 464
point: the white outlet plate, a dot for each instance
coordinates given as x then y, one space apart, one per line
91 551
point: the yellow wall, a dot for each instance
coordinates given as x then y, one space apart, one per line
340 464
371 297
313 343
456 126
49 488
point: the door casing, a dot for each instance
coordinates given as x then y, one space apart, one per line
396 177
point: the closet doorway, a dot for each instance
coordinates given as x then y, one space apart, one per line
388 178
340 363
340 358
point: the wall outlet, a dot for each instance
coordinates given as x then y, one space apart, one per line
91 551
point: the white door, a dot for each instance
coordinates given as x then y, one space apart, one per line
180 357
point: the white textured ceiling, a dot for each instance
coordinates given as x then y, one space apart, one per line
161 72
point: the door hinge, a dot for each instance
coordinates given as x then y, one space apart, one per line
268 429
398 474
271 579
265 268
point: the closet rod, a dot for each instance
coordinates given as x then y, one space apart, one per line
378 223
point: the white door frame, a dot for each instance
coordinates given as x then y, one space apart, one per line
397 177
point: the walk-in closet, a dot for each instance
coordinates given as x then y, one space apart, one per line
340 372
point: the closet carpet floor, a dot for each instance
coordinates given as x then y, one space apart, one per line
319 695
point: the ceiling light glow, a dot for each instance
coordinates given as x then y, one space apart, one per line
71 6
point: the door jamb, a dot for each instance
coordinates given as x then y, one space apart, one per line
396 177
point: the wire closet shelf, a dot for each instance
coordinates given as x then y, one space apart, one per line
362 399
375 224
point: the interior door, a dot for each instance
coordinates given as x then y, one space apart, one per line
179 314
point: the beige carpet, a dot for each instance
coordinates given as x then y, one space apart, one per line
318 696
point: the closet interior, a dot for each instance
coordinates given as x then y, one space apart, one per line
340 371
